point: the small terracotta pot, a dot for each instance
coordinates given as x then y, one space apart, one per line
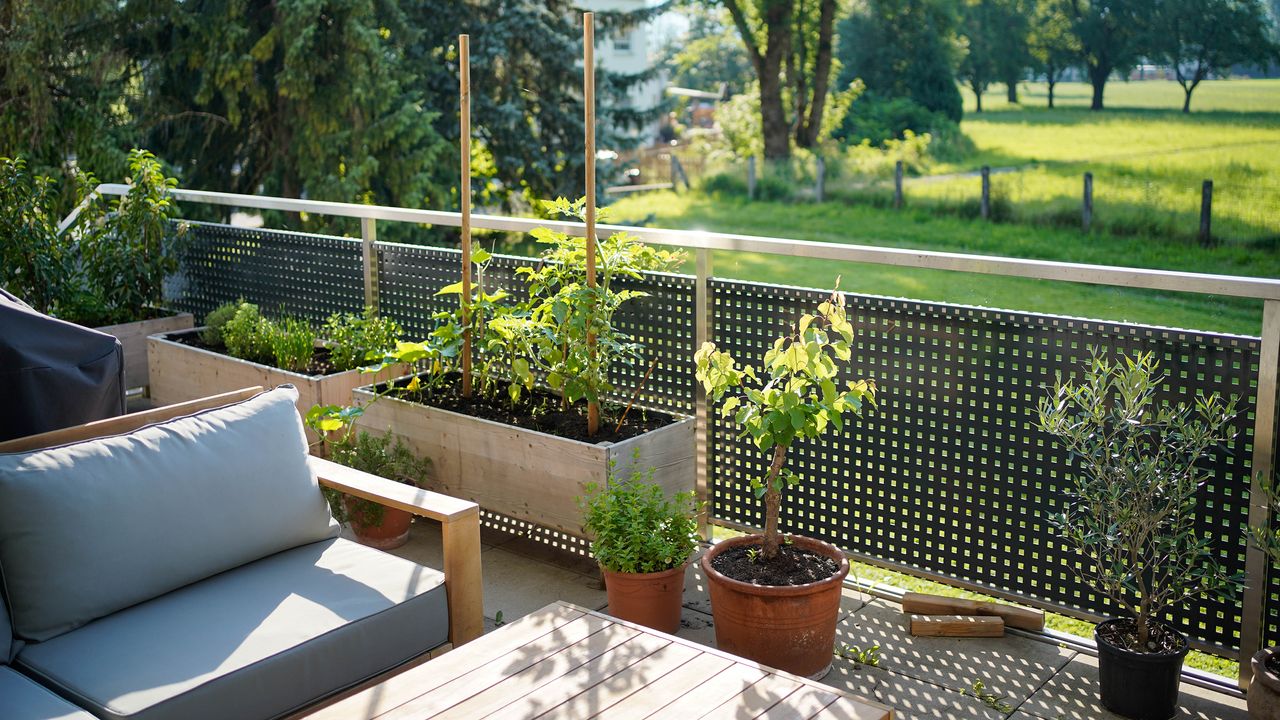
649 599
788 627
389 535
1264 691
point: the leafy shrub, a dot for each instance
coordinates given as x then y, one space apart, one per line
355 340
725 185
775 188
216 320
374 454
36 263
245 334
292 343
879 120
636 528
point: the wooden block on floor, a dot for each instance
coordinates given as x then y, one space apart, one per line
1012 615
970 626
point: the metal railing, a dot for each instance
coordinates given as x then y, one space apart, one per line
703 243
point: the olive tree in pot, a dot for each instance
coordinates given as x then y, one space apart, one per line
643 541
1131 517
776 600
1264 691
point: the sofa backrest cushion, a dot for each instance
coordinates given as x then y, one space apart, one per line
90 528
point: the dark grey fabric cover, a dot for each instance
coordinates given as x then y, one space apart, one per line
150 511
6 631
254 642
23 699
54 374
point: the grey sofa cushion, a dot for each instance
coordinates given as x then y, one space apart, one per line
89 528
6 634
254 642
23 699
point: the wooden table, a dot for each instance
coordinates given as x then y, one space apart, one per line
567 662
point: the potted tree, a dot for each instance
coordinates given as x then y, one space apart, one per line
523 442
643 542
373 524
776 599
1264 691
1130 516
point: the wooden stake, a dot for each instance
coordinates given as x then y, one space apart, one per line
1012 615
589 103
464 191
961 626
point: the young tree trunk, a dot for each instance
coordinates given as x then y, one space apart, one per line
977 94
1012 90
808 128
772 505
1098 75
1186 101
1052 79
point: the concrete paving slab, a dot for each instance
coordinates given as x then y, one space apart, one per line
913 699
1072 694
697 626
425 546
517 586
1011 666
554 551
856 678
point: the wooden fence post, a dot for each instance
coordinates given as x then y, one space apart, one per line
819 185
897 184
751 178
1086 212
986 192
1206 213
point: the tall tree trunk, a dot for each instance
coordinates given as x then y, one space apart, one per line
977 94
772 505
810 128
1011 88
768 66
1051 77
1098 75
1186 101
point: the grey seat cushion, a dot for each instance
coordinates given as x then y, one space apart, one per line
254 642
23 699
147 512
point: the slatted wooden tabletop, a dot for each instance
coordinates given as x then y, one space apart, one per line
567 662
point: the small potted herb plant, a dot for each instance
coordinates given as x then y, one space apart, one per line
1130 516
384 455
1264 691
776 600
643 541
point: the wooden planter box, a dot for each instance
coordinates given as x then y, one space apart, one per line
133 336
521 473
181 372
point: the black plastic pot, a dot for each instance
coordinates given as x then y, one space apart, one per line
1142 686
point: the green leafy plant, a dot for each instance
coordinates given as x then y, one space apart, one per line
795 397
869 657
1132 497
358 340
636 528
996 702
1268 538
292 343
37 264
245 334
216 320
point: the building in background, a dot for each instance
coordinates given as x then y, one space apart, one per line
631 52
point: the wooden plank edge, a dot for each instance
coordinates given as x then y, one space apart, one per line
963 626
390 493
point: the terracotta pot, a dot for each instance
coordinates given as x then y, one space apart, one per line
1264 691
649 599
1143 686
390 534
788 627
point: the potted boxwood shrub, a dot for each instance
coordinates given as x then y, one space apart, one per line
1264 691
384 455
1130 516
774 599
522 443
239 347
643 541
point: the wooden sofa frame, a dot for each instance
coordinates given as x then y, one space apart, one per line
459 519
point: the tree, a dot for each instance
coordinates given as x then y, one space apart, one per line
978 28
709 54
1052 45
1110 33
904 49
1012 51
1199 37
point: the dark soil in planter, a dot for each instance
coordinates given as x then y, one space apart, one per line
793 566
1123 634
539 410
320 364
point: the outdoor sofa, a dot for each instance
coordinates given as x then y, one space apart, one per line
183 563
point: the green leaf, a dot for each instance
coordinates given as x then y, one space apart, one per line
480 255
454 289
797 418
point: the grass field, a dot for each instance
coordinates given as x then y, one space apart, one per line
1148 163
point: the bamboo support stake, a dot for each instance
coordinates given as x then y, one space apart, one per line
464 191
589 103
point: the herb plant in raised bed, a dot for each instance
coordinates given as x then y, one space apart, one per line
1138 466
523 444
776 599
643 541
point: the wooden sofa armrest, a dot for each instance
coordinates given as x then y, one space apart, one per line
460 528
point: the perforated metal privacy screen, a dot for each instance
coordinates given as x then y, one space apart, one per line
948 474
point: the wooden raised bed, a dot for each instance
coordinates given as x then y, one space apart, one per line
133 336
521 473
181 372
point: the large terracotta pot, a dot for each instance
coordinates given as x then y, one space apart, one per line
649 599
390 534
788 627
1264 691
1143 686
